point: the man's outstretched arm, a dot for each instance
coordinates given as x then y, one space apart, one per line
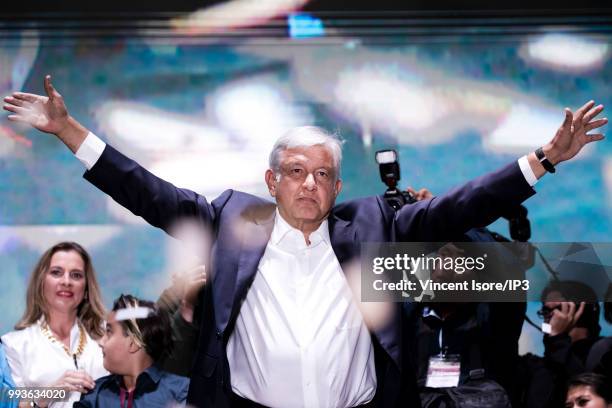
484 199
160 203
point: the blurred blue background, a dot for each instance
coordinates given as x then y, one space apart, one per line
203 112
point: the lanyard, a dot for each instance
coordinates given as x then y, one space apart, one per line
130 398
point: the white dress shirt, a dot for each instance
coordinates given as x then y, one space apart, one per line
299 339
36 361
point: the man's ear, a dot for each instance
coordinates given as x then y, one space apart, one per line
271 182
337 188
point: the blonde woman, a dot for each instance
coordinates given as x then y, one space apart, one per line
54 344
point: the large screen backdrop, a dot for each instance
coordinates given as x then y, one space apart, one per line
203 111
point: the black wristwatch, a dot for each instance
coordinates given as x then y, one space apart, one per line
548 166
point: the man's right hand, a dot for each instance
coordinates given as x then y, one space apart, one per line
47 114
422 194
563 320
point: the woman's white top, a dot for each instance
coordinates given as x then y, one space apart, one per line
36 361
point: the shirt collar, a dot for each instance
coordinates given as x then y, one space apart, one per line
153 373
282 230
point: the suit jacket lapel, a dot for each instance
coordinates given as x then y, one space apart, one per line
256 230
343 239
347 247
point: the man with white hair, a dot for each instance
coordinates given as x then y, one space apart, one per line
281 326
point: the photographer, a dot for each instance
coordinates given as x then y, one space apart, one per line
571 315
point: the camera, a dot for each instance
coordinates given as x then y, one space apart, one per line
390 175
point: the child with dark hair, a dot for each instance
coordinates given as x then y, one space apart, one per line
571 313
589 390
137 335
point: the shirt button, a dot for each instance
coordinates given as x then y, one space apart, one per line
219 334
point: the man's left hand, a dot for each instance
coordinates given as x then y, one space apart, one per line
573 134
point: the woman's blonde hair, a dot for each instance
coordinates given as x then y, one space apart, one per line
90 312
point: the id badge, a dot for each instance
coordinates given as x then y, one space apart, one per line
444 371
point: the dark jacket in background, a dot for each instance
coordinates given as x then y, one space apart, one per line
545 378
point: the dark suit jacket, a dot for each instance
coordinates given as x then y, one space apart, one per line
242 223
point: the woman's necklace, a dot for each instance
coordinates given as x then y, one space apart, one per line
82 340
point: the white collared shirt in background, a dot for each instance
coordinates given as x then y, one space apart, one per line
36 361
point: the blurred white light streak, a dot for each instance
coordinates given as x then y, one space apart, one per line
16 59
130 313
387 99
189 246
376 315
566 52
396 94
40 237
212 174
234 14
525 127
157 131
257 112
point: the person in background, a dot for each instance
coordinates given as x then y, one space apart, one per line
599 359
180 301
6 380
137 335
571 311
588 390
54 344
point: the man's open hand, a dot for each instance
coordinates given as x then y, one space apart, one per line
47 114
573 134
